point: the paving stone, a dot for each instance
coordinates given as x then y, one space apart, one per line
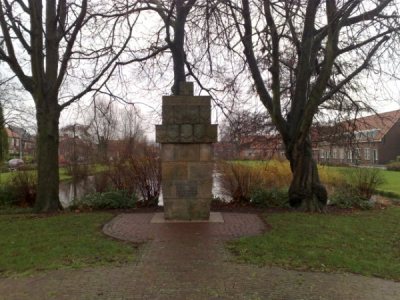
189 261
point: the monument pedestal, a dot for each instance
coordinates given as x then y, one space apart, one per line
186 136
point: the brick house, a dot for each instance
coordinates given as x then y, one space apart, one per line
75 144
369 140
20 142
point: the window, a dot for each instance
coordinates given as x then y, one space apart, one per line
342 153
367 154
334 153
349 155
357 153
375 155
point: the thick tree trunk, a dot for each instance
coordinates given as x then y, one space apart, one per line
47 115
306 190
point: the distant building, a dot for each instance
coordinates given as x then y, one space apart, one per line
20 142
368 140
75 144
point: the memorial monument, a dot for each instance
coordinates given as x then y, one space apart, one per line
186 136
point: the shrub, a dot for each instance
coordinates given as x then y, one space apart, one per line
364 181
108 200
77 171
7 197
241 179
270 198
102 182
23 186
147 178
393 166
348 197
138 175
331 177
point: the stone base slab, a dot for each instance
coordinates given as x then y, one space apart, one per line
215 217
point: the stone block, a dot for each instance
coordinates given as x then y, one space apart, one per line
205 152
168 152
161 133
205 188
186 133
199 132
187 152
178 209
186 189
200 209
174 171
205 114
189 114
186 100
172 133
212 133
168 114
186 88
200 170
168 189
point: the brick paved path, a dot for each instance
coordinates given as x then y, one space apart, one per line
188 261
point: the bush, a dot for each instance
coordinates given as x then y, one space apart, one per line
393 166
241 179
7 197
270 198
77 171
147 178
108 200
348 197
364 181
331 177
140 175
23 187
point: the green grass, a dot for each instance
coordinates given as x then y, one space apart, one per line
5 177
366 243
32 243
391 184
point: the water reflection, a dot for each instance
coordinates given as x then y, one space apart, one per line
71 192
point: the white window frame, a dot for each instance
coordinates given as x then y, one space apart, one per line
375 156
334 153
367 153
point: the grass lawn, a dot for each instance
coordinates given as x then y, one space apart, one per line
366 243
31 243
392 180
4 177
392 183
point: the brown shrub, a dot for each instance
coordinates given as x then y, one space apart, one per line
241 179
24 188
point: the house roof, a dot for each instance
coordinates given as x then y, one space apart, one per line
12 134
383 122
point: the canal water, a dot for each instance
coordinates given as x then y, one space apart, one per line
71 192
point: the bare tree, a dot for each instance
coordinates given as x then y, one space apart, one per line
303 54
132 132
103 126
61 50
170 35
3 137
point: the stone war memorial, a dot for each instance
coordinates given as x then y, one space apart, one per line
186 136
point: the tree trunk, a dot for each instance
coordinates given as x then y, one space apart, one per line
47 115
306 190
